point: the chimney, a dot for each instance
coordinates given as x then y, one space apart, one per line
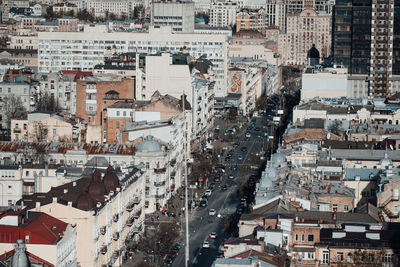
37 204
65 191
70 203
74 183
54 200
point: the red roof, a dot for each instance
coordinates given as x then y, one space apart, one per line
29 254
78 74
45 229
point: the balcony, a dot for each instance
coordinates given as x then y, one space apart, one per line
162 183
103 230
137 214
173 163
17 130
116 236
130 221
161 196
160 170
103 249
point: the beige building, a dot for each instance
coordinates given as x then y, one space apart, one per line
107 210
44 126
304 30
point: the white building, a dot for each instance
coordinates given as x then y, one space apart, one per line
100 8
29 42
178 15
84 50
223 13
22 90
332 83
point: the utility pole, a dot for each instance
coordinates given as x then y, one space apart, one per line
186 184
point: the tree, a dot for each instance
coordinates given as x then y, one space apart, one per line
160 241
46 102
85 16
13 108
138 12
39 133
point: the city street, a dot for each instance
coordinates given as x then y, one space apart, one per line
224 202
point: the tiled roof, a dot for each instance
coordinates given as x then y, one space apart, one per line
42 229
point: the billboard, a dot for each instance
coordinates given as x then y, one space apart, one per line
236 82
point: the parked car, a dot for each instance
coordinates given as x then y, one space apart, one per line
240 157
206 244
243 149
212 212
208 192
224 187
231 176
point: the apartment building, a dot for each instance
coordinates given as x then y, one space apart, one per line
107 210
374 50
223 13
84 50
248 19
48 126
8 4
94 95
304 30
100 8
178 15
62 87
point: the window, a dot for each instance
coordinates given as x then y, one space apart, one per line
349 257
339 256
27 173
302 238
297 237
54 132
25 126
346 208
334 207
147 165
9 189
124 113
45 132
310 238
371 258
9 202
117 113
325 257
117 125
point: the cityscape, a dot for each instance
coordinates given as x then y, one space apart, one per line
199 133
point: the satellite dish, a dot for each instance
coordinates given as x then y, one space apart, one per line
328 136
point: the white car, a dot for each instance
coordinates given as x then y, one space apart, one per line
212 212
213 235
208 192
206 244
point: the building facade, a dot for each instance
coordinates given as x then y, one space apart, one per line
178 15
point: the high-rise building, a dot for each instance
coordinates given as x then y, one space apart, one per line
223 13
366 39
178 15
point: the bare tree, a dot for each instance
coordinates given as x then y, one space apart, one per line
39 133
160 241
46 102
13 108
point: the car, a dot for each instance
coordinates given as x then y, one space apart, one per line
247 138
239 211
240 157
248 135
168 261
208 192
176 247
213 235
243 149
227 159
230 176
224 187
257 129
220 166
203 203
212 186
236 144
206 244
172 254
234 167
212 212
231 152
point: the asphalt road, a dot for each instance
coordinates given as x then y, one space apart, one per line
224 202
